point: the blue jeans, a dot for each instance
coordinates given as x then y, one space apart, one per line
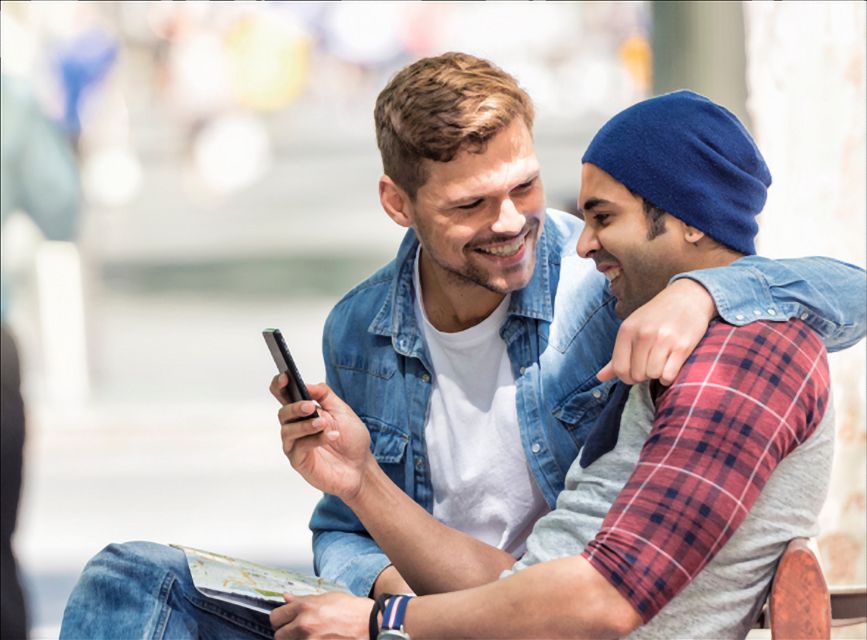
144 590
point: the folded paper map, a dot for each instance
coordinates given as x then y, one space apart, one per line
248 584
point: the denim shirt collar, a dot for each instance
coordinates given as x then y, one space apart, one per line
396 317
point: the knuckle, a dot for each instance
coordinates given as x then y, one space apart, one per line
627 329
669 374
664 334
683 346
646 333
306 625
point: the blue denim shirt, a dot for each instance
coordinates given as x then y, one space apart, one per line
559 332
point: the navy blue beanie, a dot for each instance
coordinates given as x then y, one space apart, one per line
691 158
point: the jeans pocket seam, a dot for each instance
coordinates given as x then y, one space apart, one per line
162 620
209 606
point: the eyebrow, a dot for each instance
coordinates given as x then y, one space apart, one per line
590 204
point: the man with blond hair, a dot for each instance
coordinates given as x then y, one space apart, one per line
472 357
683 497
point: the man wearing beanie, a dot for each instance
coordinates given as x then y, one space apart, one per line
683 497
476 358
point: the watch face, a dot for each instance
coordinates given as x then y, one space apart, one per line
393 634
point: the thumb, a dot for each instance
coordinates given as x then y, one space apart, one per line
606 373
326 398
288 597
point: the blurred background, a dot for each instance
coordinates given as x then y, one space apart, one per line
179 176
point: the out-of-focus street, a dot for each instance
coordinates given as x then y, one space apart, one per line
225 172
202 465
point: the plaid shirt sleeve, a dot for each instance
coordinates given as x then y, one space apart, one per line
744 400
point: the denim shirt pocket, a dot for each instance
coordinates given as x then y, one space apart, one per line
388 444
580 408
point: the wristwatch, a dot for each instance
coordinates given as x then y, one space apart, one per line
392 619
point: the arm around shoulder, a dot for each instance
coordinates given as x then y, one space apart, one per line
827 294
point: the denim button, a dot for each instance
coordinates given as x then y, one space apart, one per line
522 369
757 312
536 448
740 316
425 377
804 316
419 463
771 312
597 394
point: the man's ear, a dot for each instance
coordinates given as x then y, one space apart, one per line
395 201
691 234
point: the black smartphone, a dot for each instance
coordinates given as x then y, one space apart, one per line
296 390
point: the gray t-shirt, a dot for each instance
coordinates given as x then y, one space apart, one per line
726 596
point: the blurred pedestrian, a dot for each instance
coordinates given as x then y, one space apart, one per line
39 178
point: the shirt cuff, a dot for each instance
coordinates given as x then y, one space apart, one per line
361 572
736 303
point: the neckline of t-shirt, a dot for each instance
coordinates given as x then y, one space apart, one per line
473 335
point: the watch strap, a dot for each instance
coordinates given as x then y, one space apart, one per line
394 612
373 625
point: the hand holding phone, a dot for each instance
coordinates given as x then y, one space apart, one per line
295 390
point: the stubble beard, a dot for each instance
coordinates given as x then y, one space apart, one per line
470 275
646 279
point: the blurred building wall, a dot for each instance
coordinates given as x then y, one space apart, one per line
700 46
806 79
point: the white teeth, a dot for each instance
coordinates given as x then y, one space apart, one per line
611 274
506 250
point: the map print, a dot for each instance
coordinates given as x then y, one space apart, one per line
247 584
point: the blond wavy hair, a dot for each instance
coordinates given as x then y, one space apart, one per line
439 106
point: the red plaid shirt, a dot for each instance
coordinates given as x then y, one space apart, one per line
745 399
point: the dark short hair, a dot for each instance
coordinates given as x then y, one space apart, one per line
654 216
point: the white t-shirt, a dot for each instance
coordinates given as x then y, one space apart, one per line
481 482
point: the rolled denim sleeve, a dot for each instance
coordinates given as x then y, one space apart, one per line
830 296
353 559
343 551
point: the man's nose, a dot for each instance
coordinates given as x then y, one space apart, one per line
509 220
588 242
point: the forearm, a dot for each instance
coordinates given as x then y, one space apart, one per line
827 294
390 581
430 556
564 598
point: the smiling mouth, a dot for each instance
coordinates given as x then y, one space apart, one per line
503 250
612 274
